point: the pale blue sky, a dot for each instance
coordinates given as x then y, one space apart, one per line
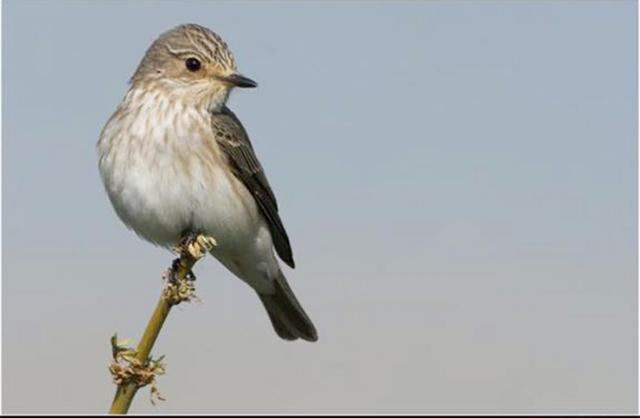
458 180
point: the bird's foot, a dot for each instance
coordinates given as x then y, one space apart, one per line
180 277
199 246
196 245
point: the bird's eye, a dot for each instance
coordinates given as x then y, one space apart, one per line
193 64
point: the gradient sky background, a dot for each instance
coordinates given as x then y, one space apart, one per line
458 180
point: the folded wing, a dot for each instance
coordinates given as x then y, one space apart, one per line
235 144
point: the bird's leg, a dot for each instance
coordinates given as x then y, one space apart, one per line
175 268
195 245
180 277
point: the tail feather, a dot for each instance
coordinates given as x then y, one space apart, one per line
287 316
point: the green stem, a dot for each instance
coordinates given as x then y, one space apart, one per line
126 392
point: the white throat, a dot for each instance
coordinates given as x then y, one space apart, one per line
218 99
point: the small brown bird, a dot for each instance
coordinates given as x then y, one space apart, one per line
175 162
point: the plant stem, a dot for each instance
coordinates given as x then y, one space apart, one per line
126 392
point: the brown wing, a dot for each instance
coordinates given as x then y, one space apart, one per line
234 142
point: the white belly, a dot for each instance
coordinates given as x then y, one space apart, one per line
161 204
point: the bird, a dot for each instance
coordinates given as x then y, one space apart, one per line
176 161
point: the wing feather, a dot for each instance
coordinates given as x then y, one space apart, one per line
235 144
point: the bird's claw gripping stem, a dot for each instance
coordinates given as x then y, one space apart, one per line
180 277
200 245
196 245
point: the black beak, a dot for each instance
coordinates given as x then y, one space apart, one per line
240 81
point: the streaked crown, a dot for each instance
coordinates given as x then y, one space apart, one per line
184 42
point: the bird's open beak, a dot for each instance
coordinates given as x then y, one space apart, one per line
239 80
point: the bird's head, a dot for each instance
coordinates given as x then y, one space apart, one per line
191 64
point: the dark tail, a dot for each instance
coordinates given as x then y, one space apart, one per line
287 316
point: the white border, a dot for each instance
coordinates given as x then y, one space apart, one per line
1 265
